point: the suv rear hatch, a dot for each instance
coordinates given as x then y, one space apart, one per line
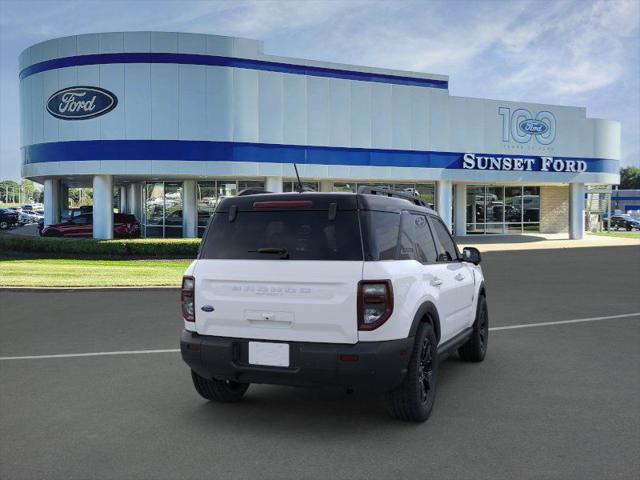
281 267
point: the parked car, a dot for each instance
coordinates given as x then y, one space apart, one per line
124 226
25 218
352 290
624 221
8 218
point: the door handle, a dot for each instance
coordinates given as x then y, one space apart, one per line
459 277
436 282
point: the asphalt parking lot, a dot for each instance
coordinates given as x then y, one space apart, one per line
553 401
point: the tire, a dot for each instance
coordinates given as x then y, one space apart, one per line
218 390
629 228
476 347
4 225
413 400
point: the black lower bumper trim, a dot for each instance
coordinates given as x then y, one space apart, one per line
364 366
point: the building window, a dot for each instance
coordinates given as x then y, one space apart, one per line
292 186
501 209
246 184
210 193
206 200
426 191
162 213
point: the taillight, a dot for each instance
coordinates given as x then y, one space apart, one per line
284 204
187 298
375 303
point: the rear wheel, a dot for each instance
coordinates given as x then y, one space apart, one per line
476 347
4 225
413 400
218 390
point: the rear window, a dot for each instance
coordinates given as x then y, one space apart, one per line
278 234
382 235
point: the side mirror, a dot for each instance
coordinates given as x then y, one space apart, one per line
471 255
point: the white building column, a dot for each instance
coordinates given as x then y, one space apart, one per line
460 213
326 185
189 209
123 199
576 211
103 207
443 202
51 201
273 184
134 200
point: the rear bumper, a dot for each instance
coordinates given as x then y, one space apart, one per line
364 366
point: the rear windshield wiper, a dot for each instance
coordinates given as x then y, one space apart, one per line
283 252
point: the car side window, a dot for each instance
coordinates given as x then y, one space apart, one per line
447 250
417 230
407 241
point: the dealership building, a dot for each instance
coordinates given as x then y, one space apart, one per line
164 125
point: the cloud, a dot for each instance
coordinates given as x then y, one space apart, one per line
572 51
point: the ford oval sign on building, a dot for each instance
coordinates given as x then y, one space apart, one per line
81 103
533 126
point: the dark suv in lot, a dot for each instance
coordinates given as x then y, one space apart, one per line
8 218
624 221
124 226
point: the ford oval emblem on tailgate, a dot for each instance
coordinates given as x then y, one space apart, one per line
207 308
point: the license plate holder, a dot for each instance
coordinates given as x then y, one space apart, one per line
269 354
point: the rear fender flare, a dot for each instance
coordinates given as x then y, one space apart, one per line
429 313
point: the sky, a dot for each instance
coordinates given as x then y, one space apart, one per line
576 52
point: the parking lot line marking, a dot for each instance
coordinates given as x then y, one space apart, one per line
562 322
94 354
176 350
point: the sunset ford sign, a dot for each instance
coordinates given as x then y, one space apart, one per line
81 103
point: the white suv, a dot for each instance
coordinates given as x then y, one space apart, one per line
363 291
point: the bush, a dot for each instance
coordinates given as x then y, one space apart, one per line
88 247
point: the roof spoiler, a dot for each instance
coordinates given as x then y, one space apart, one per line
387 192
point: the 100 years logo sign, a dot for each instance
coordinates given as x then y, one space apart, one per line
81 103
521 126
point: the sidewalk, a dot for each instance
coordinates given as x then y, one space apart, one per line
538 241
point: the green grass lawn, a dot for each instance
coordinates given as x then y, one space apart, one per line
620 234
91 273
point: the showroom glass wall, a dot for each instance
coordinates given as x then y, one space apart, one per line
163 201
426 191
209 193
163 204
162 212
502 209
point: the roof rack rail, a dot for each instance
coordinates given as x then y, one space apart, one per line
252 191
387 192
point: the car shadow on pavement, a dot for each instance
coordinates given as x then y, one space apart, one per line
291 410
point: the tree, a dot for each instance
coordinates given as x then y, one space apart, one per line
630 178
9 191
28 190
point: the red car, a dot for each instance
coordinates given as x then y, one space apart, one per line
124 226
